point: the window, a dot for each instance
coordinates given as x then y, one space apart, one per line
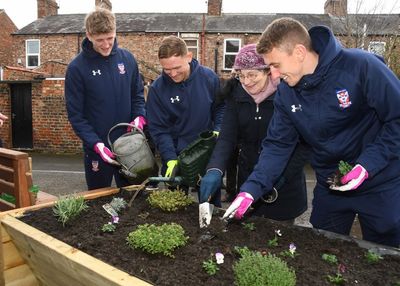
32 48
192 42
231 49
377 48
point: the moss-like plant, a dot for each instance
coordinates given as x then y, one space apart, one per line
343 169
158 239
68 208
169 200
372 257
108 227
210 266
330 258
118 204
254 269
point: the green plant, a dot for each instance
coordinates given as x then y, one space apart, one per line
344 167
210 266
274 242
249 226
254 269
118 204
108 227
158 239
337 279
169 200
372 257
68 208
291 252
330 258
241 250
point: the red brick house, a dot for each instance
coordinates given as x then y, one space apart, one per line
45 47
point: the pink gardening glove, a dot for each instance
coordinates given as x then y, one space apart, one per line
239 206
139 122
105 153
353 179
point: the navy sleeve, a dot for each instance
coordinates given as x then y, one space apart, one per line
75 102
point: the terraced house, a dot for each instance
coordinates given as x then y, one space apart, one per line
32 72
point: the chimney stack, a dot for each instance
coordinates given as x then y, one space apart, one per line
336 8
214 7
46 8
106 4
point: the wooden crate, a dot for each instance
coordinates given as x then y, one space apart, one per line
29 257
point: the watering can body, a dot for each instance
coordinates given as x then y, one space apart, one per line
134 154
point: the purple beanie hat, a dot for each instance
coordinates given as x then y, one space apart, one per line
248 59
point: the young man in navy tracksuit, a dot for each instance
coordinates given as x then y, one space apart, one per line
102 88
345 103
181 102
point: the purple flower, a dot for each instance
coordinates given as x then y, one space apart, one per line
292 248
115 219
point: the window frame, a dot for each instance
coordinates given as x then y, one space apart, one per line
27 54
225 68
191 37
371 48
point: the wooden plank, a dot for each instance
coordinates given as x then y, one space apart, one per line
56 263
3 238
12 154
7 162
6 206
4 235
7 187
6 173
21 184
20 276
11 257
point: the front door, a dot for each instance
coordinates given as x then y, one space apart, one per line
21 116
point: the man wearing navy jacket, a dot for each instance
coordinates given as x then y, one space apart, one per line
345 103
181 102
103 87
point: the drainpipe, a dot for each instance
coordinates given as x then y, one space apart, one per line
203 41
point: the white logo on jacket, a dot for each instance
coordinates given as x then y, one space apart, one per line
175 99
296 108
98 72
121 68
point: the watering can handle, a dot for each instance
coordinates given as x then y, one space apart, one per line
134 129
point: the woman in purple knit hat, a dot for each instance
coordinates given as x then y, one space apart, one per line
249 108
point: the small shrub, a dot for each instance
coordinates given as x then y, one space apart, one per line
249 226
210 266
68 208
330 258
254 269
158 239
273 242
372 257
337 279
169 200
344 167
118 204
108 227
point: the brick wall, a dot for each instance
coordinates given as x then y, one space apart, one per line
52 131
7 27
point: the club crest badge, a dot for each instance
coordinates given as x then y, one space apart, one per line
121 68
344 98
95 166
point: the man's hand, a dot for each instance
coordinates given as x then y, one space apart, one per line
139 122
210 183
353 179
171 168
2 118
239 206
105 153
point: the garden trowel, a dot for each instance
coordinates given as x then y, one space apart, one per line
205 213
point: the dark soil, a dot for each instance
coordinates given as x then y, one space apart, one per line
85 234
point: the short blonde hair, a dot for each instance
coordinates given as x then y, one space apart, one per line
283 33
100 21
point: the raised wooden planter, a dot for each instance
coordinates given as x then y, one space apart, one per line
29 257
